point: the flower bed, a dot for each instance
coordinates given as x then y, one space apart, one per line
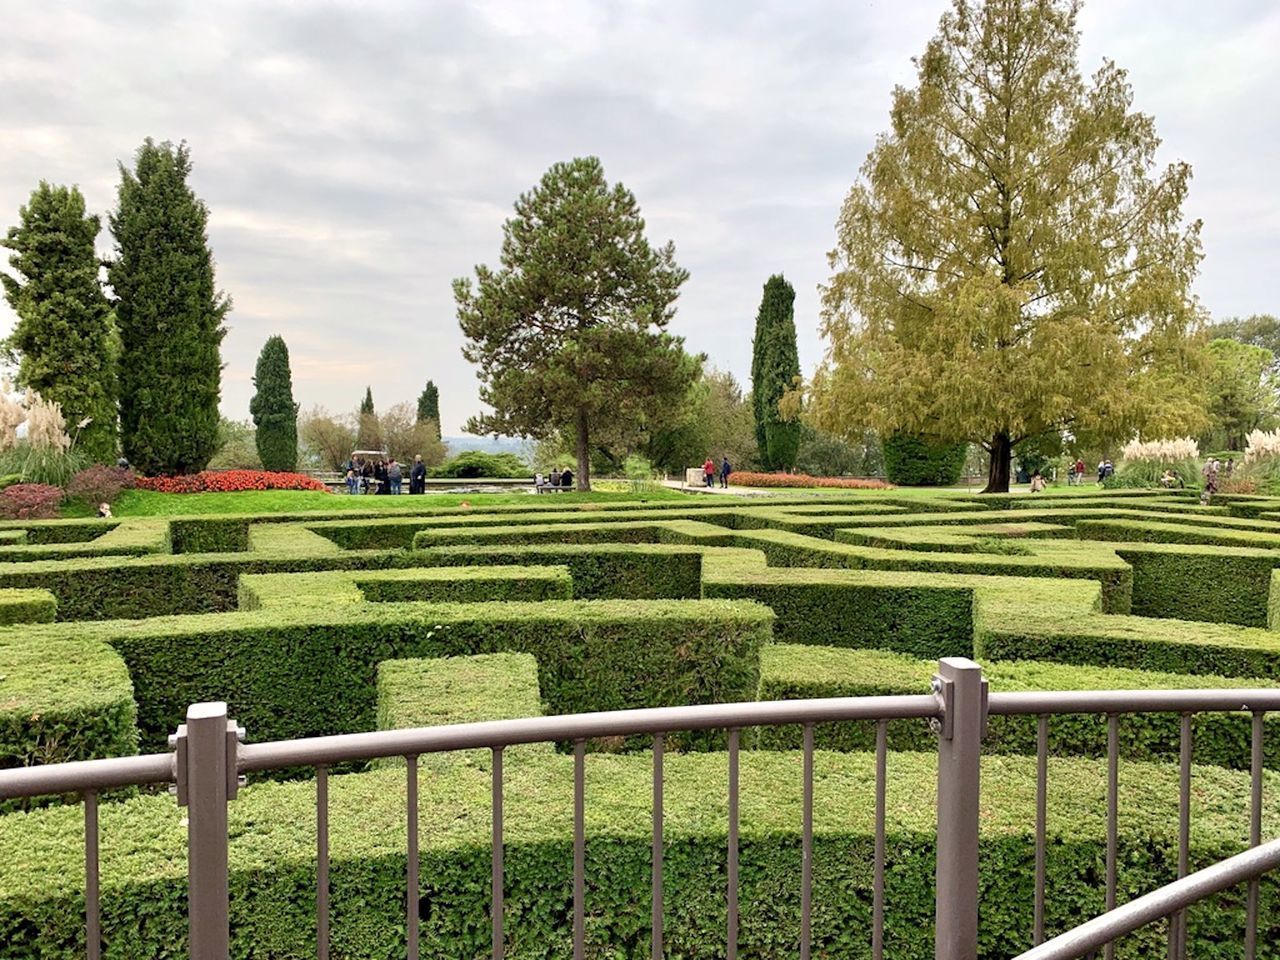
747 479
230 481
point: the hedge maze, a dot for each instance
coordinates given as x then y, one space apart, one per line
310 624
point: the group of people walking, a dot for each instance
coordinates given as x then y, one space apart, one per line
709 472
378 476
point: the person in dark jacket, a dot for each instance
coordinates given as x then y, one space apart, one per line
366 476
418 476
725 470
566 479
380 474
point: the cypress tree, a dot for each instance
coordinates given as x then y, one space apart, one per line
275 415
429 406
369 433
775 364
64 338
366 405
169 314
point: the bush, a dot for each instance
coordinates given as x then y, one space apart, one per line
230 481
30 501
915 460
99 484
477 463
744 479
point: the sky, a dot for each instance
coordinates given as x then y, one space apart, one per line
356 157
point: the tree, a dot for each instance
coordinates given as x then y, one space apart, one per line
368 430
570 332
429 406
775 365
327 441
1259 330
1011 265
1242 393
64 340
405 436
237 448
714 420
275 415
170 315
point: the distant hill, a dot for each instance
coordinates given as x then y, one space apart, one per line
521 448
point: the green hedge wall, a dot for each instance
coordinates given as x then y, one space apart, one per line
209 534
914 460
27 606
273 870
467 585
312 671
1213 584
1221 739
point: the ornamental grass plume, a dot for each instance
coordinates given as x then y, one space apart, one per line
46 427
1166 451
1262 445
12 415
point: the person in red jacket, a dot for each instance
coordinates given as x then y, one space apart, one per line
709 472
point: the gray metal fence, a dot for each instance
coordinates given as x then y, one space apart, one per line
209 760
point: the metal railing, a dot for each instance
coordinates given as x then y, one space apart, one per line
209 760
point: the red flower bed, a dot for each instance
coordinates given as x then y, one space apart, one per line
746 479
230 481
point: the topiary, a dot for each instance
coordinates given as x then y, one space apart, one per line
918 460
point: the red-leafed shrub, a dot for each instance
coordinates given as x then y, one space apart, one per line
230 481
30 501
745 479
99 484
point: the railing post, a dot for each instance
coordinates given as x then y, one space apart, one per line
206 774
962 694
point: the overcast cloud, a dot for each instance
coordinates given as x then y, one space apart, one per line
356 157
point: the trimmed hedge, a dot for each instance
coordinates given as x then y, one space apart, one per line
272 860
312 671
1213 584
62 699
27 606
1220 739
209 534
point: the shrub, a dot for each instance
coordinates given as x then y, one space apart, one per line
30 501
477 463
746 479
916 460
46 465
231 481
99 484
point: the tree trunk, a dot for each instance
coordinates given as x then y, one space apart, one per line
998 470
584 451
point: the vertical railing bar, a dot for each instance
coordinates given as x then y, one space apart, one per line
1255 835
731 953
1113 817
656 908
92 907
322 862
1042 806
877 887
498 903
806 851
411 869
579 850
1178 923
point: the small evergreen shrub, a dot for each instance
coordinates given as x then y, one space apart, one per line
916 460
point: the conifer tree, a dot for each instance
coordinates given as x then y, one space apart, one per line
775 364
275 415
169 313
64 339
429 406
368 430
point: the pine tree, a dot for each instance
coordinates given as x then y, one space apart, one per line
64 339
275 415
170 315
775 364
570 331
429 406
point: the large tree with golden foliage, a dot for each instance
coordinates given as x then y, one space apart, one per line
1011 263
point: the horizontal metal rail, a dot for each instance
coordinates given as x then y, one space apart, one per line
1157 904
79 775
348 747
1135 701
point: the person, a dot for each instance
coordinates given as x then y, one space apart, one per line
104 511
366 475
709 472
123 463
353 482
1230 466
380 475
566 479
418 476
394 476
537 479
1167 479
1079 471
1102 470
1108 467
555 476
1037 482
725 470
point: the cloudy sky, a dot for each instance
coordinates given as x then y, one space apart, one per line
357 156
